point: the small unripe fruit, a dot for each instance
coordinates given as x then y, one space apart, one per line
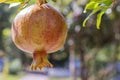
39 30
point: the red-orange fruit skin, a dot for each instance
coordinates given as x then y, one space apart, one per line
39 28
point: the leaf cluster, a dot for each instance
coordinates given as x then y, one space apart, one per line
95 6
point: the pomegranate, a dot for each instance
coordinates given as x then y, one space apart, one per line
39 29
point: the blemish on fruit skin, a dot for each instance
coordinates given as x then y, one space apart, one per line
40 31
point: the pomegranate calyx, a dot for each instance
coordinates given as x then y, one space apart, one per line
40 2
40 60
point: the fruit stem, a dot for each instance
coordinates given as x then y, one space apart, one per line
40 2
40 60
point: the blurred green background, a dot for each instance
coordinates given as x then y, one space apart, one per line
88 54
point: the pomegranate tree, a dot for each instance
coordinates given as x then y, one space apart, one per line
39 30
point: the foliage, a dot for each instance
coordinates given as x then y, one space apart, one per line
95 6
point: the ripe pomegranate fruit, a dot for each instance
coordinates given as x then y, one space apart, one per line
39 29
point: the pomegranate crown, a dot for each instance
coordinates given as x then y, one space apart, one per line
42 2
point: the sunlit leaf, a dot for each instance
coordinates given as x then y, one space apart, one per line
106 2
14 4
97 5
10 1
93 12
84 22
91 5
99 17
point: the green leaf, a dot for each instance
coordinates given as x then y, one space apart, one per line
106 2
99 17
97 5
14 4
54 0
11 1
84 22
93 12
91 5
